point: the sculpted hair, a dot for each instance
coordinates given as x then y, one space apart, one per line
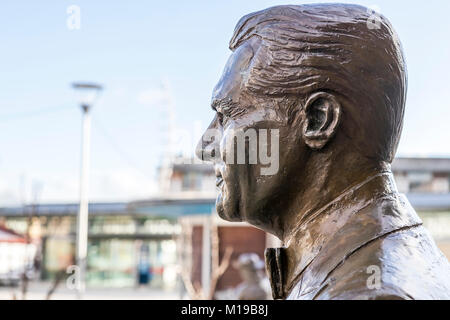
332 48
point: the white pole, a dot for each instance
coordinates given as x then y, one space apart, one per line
82 222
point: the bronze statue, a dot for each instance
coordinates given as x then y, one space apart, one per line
332 89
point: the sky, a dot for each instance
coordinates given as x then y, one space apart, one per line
158 60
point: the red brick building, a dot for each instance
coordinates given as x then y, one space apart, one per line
196 248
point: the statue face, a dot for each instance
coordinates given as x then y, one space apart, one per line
252 191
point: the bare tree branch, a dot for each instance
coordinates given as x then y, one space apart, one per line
218 268
59 276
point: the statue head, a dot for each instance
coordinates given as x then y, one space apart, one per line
316 94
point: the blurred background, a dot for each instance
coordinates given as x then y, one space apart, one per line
152 230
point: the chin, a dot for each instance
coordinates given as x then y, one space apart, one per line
225 210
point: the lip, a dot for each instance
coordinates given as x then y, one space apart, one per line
219 178
219 182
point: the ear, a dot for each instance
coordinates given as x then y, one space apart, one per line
322 116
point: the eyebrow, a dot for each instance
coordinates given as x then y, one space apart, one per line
217 103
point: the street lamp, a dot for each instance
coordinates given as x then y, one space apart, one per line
87 93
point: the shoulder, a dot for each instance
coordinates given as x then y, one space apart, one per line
405 264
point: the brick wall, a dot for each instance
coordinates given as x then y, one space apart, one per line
197 242
242 239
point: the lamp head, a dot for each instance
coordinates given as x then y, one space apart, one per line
87 93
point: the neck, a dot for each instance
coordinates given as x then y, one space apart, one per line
308 238
322 190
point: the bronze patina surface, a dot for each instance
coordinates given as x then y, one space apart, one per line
335 88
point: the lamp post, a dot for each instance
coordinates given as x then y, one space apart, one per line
88 92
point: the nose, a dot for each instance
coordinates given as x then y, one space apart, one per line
207 148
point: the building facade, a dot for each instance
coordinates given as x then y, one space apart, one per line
126 240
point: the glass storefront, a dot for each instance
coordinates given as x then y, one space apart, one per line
126 263
130 244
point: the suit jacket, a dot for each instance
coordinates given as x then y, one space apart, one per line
368 244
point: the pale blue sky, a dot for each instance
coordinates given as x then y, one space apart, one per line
130 47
